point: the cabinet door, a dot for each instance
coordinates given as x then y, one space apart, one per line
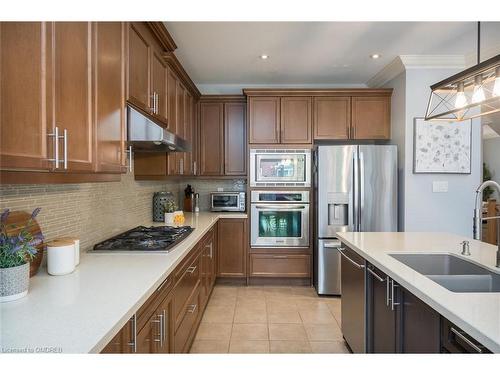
382 319
264 119
161 328
109 95
172 100
159 85
232 248
371 118
235 139
145 339
211 139
24 53
188 133
181 125
72 91
331 117
139 67
122 342
296 120
419 328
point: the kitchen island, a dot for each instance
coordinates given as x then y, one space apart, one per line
477 314
81 312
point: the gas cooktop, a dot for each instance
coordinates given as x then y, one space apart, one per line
155 239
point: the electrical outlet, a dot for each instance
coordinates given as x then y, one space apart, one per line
439 186
220 189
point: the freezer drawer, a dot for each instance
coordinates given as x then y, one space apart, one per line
328 267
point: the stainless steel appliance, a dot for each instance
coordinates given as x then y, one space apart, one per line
228 201
159 239
280 168
279 219
356 190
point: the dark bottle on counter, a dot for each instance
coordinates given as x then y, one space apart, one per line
188 199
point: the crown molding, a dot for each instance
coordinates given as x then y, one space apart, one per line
405 62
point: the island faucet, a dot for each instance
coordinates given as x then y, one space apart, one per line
478 213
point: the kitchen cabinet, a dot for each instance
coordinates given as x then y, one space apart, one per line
123 342
352 278
235 139
264 119
109 95
296 120
455 340
139 66
280 265
159 86
172 100
208 264
232 248
211 139
188 159
399 322
23 76
71 92
331 117
371 117
155 336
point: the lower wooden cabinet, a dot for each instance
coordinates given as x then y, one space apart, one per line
208 263
123 342
232 248
280 265
187 326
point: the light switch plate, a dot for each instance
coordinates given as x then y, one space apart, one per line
220 189
439 186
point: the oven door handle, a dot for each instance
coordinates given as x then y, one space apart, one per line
280 207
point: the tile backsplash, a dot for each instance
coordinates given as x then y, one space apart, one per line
91 211
96 211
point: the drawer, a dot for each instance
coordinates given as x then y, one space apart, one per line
280 265
184 288
190 317
145 311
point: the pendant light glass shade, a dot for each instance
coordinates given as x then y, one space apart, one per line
471 93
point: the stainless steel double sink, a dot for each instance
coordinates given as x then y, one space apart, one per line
452 272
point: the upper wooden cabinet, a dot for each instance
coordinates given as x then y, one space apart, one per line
331 117
264 119
159 86
222 136
109 95
139 66
23 106
296 118
235 139
211 138
371 117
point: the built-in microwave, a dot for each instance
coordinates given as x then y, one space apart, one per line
283 167
228 201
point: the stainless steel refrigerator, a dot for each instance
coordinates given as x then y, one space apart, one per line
356 191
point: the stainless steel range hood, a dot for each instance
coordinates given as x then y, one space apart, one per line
145 133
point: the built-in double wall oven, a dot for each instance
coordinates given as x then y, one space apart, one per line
279 219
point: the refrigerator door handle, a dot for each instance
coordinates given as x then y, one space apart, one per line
361 199
355 192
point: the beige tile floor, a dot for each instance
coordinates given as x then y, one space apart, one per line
269 319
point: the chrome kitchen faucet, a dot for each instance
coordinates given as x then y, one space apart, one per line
477 225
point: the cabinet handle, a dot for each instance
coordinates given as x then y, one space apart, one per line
369 269
129 154
65 148
191 308
387 291
469 342
191 269
393 303
194 168
163 284
280 257
341 251
211 248
160 334
164 314
55 135
181 166
157 103
133 344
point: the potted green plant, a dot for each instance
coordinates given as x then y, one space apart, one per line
170 208
16 251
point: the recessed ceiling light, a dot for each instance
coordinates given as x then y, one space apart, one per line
375 56
264 57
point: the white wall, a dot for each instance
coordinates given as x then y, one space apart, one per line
491 156
425 210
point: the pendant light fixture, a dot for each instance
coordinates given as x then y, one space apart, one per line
471 93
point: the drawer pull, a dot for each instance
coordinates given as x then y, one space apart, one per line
375 274
341 251
163 284
191 269
469 342
191 308
280 257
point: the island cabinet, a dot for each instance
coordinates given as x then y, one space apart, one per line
232 248
222 136
398 322
168 320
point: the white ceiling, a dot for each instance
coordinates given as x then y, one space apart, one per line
315 53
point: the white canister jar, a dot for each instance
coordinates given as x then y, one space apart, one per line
60 257
169 218
76 242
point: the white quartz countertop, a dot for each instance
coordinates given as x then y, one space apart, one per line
81 312
478 314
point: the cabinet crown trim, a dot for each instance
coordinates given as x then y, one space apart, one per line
317 92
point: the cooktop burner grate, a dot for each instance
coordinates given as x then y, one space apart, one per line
160 239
